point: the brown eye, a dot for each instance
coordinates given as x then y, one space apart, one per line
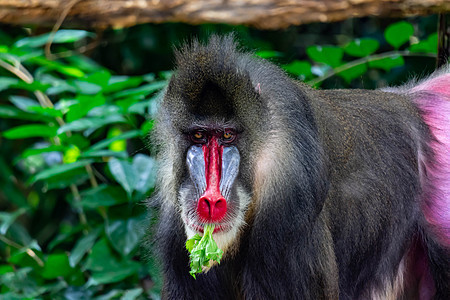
198 137
228 136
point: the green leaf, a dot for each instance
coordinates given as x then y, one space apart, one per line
66 233
101 258
147 126
299 68
71 154
125 103
76 176
64 105
203 251
362 47
140 108
105 153
329 55
90 123
32 87
84 105
112 294
190 243
61 36
35 151
163 74
14 113
387 63
57 265
83 246
20 235
429 45
24 54
22 258
76 139
47 78
353 72
23 285
6 269
125 235
145 169
87 88
31 105
100 78
58 286
124 174
116 275
107 267
398 33
7 82
46 111
266 54
7 219
59 169
105 111
142 90
118 145
84 63
124 136
132 294
103 195
28 131
10 58
120 83
23 103
139 175
70 36
57 66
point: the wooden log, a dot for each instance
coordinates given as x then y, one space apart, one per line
262 14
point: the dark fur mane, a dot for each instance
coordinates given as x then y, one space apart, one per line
328 188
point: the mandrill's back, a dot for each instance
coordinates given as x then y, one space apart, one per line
373 141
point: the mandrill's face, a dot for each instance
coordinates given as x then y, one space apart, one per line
210 193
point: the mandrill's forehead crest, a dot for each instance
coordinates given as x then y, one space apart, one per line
218 63
223 88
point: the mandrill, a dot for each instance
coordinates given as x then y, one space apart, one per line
314 194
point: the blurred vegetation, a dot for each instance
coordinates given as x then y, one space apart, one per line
75 162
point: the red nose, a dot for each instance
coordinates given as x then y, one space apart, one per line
212 208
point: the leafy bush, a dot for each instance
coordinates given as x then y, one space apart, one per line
329 60
79 123
76 166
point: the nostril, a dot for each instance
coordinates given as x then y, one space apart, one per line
220 204
204 207
211 210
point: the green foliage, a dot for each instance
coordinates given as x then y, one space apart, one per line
361 47
203 249
301 69
78 124
399 33
387 63
330 60
428 45
329 55
61 36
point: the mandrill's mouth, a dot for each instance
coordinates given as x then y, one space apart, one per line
198 227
